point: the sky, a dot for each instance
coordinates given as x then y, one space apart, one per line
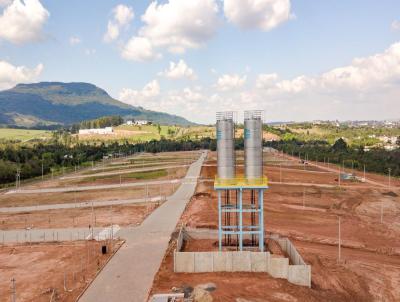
296 60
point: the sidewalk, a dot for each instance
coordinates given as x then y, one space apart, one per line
129 274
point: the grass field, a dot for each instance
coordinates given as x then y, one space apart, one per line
10 134
145 133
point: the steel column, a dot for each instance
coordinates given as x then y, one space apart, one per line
240 220
219 221
261 219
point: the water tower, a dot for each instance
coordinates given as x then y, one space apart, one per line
240 198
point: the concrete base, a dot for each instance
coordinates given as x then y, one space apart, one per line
246 261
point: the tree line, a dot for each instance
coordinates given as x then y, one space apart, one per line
30 160
376 160
102 122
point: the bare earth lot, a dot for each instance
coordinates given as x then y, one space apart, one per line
40 269
122 215
369 269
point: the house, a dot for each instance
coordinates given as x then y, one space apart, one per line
142 122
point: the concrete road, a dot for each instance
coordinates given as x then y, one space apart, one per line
102 203
129 274
95 187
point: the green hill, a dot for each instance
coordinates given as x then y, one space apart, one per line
56 103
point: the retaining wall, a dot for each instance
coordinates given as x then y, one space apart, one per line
294 269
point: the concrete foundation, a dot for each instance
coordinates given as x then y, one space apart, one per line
294 269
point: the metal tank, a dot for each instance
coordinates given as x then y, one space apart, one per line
253 149
225 145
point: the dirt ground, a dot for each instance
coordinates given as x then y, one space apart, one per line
115 178
39 270
123 215
369 269
11 200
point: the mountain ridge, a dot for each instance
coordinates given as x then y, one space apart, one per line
59 103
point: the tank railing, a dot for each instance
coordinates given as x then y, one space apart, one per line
240 182
225 115
254 115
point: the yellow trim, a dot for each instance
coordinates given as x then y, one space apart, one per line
240 182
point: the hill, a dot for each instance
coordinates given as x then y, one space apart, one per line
56 103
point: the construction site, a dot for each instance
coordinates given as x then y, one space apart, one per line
342 234
225 225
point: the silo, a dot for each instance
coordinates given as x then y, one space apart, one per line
225 145
253 149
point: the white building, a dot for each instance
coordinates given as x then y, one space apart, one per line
141 122
106 130
129 123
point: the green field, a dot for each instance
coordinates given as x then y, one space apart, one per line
146 133
23 135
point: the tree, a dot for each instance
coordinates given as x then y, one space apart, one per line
340 145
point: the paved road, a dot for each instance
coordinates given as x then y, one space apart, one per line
96 187
129 274
102 203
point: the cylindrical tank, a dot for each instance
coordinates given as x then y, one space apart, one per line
253 149
225 148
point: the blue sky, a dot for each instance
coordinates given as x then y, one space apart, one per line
282 59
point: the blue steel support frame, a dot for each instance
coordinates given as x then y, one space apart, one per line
219 220
240 229
261 219
240 219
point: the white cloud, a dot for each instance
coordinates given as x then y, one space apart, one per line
176 26
74 40
141 97
5 2
395 25
22 22
230 82
367 88
11 75
259 14
266 80
179 70
363 74
139 49
122 16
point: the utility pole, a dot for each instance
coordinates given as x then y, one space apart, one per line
280 173
390 170
339 242
18 179
13 290
42 169
364 173
304 197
